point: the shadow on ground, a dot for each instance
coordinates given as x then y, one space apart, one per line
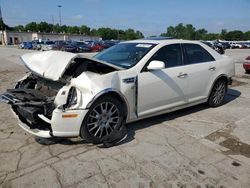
145 123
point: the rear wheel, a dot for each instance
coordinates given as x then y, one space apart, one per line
104 116
218 93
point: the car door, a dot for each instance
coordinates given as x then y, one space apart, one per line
201 68
165 88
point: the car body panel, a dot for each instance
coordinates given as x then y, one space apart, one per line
172 90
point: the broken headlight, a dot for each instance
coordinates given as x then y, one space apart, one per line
72 97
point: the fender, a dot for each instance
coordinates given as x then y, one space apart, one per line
110 90
220 76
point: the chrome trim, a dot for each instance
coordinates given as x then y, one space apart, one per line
108 90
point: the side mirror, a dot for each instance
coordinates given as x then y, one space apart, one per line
156 65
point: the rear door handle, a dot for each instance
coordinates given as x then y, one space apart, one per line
212 68
182 75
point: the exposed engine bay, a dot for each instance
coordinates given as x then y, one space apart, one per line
33 97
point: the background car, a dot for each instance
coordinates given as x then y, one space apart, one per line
246 65
37 45
26 45
69 47
58 45
47 45
216 46
95 46
109 43
81 46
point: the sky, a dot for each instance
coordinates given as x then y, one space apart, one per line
152 17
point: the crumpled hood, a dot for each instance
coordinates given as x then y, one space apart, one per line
49 64
52 64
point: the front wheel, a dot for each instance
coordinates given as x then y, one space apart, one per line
218 93
105 115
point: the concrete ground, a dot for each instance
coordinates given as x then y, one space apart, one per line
194 147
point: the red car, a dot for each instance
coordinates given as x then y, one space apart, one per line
95 46
246 65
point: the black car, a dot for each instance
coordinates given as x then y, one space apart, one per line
59 45
81 46
216 46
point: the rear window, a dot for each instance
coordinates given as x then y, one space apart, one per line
196 54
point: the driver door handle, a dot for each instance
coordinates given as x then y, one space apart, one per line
212 68
182 75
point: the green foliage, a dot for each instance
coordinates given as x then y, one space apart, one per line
247 35
190 33
179 31
19 28
235 35
104 33
32 26
223 34
108 33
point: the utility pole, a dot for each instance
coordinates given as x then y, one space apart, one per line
3 29
53 23
60 18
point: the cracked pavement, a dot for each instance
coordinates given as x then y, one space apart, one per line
193 147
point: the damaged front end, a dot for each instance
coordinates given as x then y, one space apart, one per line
32 101
47 102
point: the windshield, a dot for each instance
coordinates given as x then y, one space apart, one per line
125 55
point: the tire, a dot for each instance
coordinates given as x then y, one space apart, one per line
97 123
218 93
248 71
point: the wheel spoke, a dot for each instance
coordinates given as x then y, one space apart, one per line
97 131
90 130
101 132
93 116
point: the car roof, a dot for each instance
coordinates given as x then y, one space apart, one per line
162 41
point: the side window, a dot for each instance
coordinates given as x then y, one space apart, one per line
196 54
171 55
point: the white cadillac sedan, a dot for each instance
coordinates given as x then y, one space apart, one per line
68 95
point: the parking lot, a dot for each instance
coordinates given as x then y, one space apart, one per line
193 147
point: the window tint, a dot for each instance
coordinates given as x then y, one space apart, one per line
171 55
196 54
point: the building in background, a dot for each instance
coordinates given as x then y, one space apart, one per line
14 38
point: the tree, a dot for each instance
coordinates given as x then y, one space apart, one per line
223 34
235 35
189 32
170 32
200 34
73 29
84 30
32 26
247 35
44 27
19 28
